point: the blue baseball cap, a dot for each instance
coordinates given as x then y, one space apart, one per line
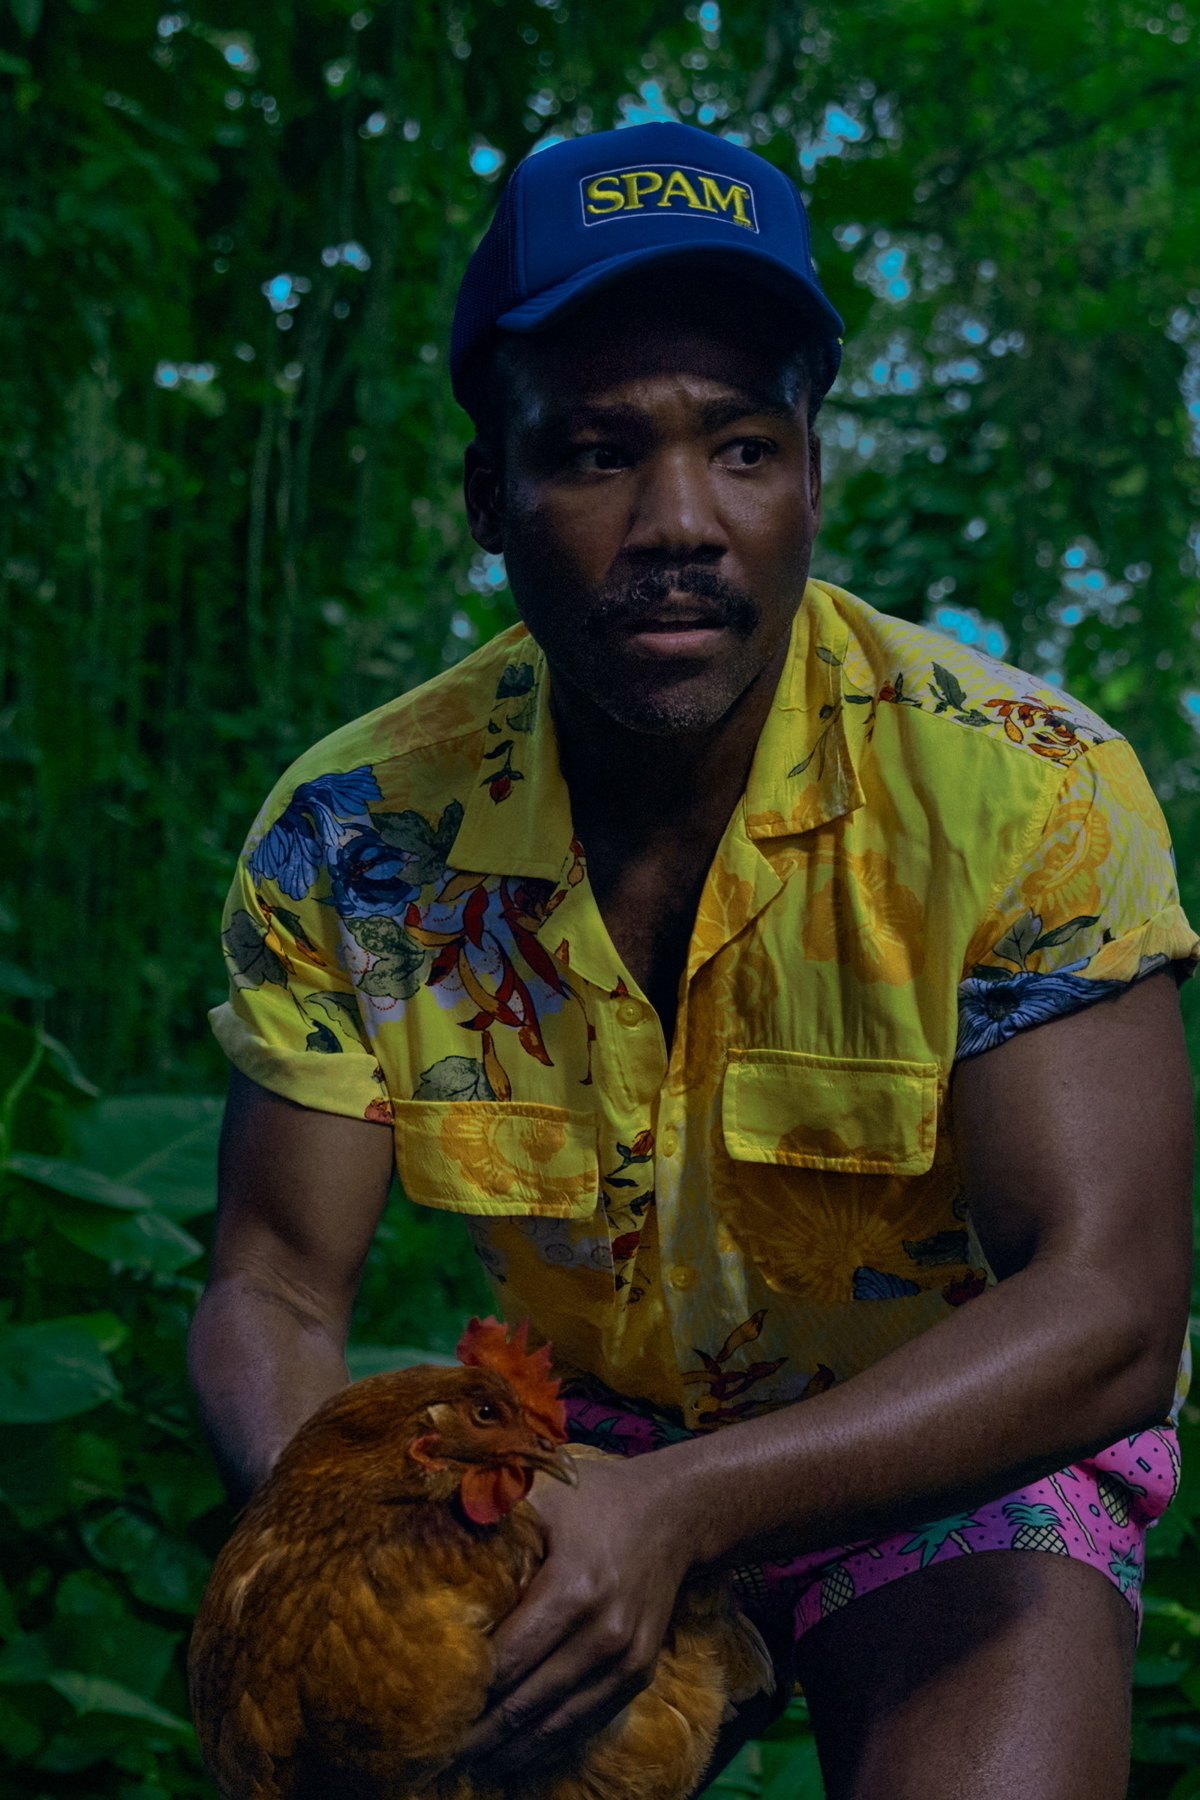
581 214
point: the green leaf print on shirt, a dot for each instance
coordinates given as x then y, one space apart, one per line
252 957
412 833
455 1078
400 962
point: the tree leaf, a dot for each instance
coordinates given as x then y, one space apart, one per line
28 15
827 656
15 981
455 1078
96 1694
165 1145
163 1571
53 1370
321 1038
72 1178
253 959
148 1241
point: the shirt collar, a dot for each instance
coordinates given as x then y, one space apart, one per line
517 819
803 774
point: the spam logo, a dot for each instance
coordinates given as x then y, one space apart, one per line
655 188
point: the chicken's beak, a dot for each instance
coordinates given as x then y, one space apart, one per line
554 1459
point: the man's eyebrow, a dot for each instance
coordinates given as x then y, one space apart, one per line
719 413
714 415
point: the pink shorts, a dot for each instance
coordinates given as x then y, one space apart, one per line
1097 1511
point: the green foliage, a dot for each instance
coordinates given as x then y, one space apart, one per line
223 538
110 1509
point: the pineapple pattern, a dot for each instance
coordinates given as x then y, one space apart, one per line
1037 1527
836 1589
1115 1496
1097 1511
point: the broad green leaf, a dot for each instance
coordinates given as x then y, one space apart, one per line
94 1693
792 1772
163 1571
28 14
146 1240
73 1178
378 1359
15 981
20 1735
9 1626
95 1632
25 1659
165 1145
400 962
55 1369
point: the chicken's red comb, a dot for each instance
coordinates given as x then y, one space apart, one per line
485 1344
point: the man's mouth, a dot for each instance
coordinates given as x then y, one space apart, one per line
695 632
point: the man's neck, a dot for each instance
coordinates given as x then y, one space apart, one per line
681 783
650 812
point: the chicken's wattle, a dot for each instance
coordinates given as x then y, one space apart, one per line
487 1495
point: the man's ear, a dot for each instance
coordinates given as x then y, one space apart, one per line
482 491
815 477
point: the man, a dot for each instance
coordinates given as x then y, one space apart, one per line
838 961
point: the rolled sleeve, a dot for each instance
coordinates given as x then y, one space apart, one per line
292 1021
1092 907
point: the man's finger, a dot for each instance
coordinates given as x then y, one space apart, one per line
545 1620
566 1729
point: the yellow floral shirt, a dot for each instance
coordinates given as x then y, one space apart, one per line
932 852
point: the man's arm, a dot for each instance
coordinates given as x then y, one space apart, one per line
301 1193
1077 1143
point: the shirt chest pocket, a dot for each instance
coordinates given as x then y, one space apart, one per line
859 1115
497 1158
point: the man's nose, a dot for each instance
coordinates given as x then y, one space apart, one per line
674 508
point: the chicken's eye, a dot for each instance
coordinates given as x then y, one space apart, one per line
485 1413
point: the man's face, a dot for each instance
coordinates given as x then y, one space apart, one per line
657 508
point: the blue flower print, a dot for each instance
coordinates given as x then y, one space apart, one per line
877 1284
991 1012
366 876
310 829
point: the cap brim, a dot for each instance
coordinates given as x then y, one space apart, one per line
746 262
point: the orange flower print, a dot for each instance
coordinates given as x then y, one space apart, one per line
866 919
1045 731
380 1110
1065 883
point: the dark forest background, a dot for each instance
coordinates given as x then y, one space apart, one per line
231 522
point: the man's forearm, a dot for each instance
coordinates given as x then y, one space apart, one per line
261 1362
1021 1381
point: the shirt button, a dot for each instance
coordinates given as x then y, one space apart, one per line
669 1141
682 1276
629 1012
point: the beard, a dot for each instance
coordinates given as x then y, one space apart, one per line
651 695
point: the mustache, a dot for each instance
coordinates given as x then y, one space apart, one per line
644 599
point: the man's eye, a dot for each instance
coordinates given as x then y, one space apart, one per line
745 453
600 458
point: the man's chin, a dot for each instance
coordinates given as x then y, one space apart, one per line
667 707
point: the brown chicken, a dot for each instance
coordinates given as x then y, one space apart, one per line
342 1648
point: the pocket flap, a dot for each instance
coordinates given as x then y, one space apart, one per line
497 1157
858 1114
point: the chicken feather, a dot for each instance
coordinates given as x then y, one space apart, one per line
342 1650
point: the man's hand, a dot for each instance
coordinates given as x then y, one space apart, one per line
584 1639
